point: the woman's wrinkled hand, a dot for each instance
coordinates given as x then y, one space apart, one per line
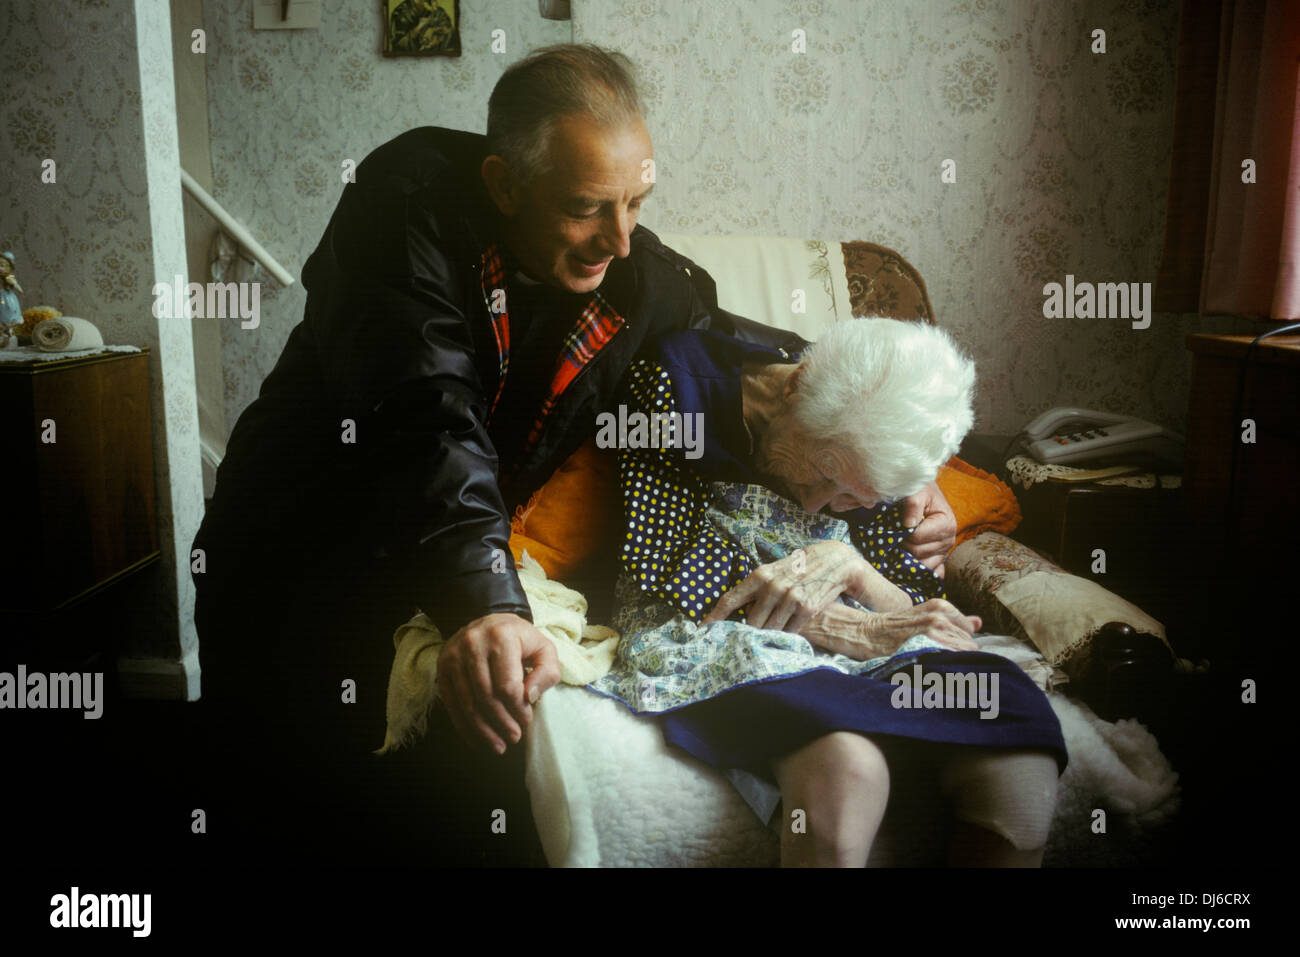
863 635
788 593
934 527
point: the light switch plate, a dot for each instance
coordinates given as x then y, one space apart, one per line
303 15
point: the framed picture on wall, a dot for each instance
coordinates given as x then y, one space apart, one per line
421 27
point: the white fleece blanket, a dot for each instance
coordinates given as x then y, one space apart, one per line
606 790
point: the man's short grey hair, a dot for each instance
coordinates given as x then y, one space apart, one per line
893 396
552 82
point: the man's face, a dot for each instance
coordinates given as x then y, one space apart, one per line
572 221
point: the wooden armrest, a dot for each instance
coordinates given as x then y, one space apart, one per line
1130 675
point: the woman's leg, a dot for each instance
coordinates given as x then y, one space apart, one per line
1003 801
841 784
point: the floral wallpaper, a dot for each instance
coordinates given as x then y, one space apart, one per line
1060 160
88 84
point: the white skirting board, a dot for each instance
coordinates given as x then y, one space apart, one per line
160 679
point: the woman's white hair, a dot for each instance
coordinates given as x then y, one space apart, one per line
893 395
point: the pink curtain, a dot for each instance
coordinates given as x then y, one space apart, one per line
1231 247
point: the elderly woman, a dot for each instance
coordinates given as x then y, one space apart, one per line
771 615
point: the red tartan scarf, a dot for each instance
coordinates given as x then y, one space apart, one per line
596 325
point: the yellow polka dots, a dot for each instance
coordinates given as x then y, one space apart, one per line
684 560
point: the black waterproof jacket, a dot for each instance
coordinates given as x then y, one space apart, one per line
370 428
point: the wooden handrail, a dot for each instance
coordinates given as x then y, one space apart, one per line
236 229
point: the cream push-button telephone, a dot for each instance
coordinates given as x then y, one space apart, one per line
1070 436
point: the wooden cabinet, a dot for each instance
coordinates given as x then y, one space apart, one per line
79 510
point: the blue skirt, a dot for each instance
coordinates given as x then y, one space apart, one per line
748 727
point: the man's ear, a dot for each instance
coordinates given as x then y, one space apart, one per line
501 184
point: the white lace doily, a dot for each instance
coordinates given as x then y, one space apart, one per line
1026 472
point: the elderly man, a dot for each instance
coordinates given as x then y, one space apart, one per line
470 310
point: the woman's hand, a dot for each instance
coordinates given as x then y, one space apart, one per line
788 593
863 635
929 513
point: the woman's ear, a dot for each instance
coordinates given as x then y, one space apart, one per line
790 391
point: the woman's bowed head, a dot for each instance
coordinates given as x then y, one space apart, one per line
868 415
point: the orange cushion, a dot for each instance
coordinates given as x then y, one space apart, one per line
573 518
980 501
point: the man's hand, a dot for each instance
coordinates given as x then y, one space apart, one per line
481 678
936 527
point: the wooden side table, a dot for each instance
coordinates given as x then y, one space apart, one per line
1244 528
82 514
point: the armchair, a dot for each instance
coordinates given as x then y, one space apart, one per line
606 790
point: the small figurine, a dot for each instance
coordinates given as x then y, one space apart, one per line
11 313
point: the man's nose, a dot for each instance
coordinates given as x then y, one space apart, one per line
617 234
